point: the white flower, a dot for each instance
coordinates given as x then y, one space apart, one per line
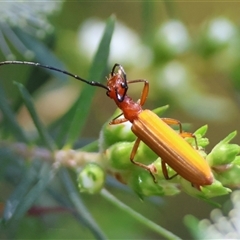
126 47
30 17
220 226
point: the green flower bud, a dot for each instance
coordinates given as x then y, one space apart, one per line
199 133
230 177
111 134
142 183
236 161
91 178
223 153
208 191
118 155
201 141
145 154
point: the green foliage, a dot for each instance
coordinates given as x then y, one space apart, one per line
35 181
46 171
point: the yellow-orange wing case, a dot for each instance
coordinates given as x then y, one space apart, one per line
172 148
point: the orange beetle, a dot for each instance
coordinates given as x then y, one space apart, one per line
155 132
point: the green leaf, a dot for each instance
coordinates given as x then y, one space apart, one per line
9 117
79 205
30 106
37 77
16 198
42 53
160 110
45 175
201 131
148 17
224 152
229 137
83 103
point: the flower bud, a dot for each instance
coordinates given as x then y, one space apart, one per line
111 134
199 133
208 191
91 178
230 177
223 153
118 155
142 183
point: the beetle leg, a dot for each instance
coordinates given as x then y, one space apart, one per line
198 187
118 120
190 135
144 91
165 171
150 169
171 121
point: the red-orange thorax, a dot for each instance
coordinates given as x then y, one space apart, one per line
130 109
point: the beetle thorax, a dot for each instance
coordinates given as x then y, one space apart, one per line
129 108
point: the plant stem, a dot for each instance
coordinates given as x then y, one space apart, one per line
163 232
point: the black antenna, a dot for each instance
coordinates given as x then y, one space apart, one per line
92 83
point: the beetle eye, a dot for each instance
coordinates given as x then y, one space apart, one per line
123 85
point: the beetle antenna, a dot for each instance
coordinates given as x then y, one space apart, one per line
92 83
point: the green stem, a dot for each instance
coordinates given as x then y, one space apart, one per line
163 232
93 146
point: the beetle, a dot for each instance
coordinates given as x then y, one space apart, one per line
154 131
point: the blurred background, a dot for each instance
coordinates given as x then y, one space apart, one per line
189 52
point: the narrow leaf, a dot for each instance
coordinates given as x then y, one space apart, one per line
14 201
37 77
45 176
83 103
9 117
30 106
42 53
148 16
